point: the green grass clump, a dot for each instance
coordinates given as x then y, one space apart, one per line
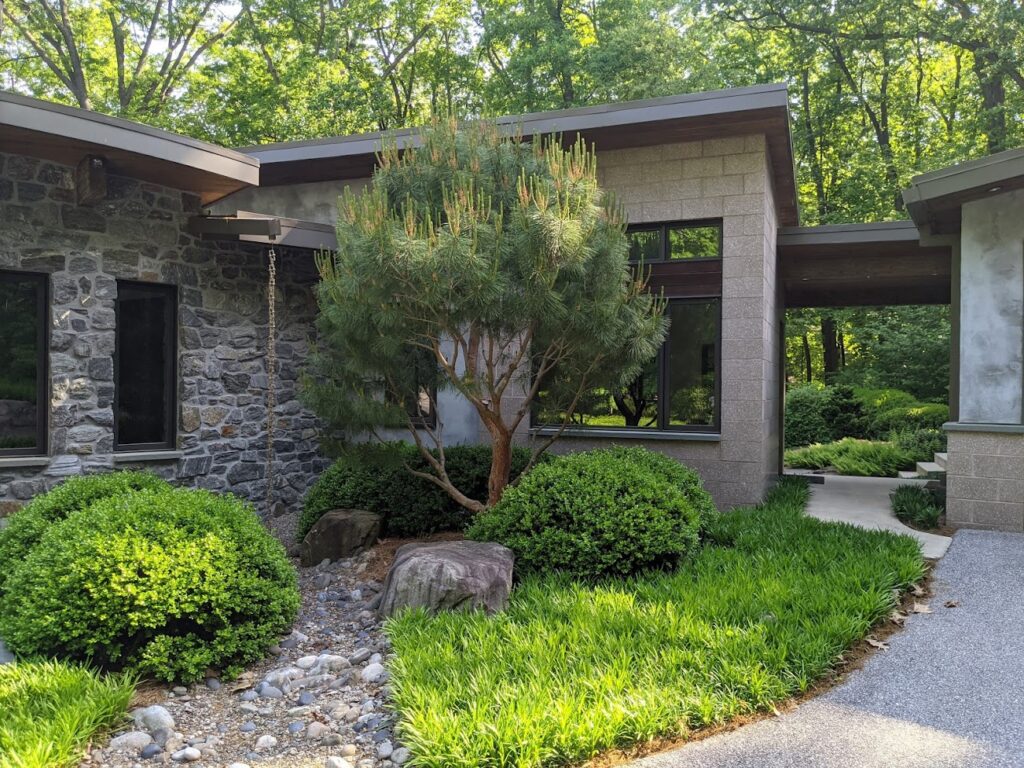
49 711
571 670
916 506
859 458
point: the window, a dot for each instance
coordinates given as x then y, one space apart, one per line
676 242
679 390
23 339
144 367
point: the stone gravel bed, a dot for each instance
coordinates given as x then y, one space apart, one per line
319 700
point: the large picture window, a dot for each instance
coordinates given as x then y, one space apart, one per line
23 389
679 389
682 241
144 367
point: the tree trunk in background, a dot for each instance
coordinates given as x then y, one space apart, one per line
809 373
829 347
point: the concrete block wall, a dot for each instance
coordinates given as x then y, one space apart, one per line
985 480
724 178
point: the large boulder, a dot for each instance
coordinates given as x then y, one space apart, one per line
338 534
448 576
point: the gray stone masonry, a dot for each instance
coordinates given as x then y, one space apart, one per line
139 233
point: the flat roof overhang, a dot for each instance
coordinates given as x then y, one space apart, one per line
266 229
934 199
759 109
857 265
65 135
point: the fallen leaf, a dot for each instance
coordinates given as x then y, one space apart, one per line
878 644
951 604
242 682
897 617
920 608
917 590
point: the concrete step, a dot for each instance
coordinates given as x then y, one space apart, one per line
930 469
908 474
941 459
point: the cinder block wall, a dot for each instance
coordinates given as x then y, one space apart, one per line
985 480
719 178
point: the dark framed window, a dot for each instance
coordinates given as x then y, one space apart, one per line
24 393
145 366
677 241
680 390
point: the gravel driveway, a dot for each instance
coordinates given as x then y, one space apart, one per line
949 692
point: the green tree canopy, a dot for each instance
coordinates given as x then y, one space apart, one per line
482 264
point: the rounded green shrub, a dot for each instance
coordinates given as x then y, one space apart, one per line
842 412
167 583
912 416
377 478
27 526
603 513
804 422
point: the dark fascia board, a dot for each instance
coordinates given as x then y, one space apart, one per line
266 229
564 121
82 125
850 234
948 188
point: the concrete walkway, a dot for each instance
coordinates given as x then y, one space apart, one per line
948 693
6 657
864 501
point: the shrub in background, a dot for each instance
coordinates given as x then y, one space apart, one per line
842 412
913 416
377 478
804 422
27 526
603 513
167 583
917 506
919 444
860 458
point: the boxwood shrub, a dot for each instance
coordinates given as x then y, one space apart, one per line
603 513
376 478
166 583
27 526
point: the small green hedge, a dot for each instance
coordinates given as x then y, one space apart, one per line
27 526
598 514
376 478
904 417
167 583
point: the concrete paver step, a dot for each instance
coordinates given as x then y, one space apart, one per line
908 474
941 459
930 469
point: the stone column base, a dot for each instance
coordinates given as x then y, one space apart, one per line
985 477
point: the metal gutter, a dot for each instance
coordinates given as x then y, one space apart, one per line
266 229
850 234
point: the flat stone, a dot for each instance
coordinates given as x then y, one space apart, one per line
373 673
133 740
316 731
150 751
306 662
400 756
153 718
337 762
186 755
264 743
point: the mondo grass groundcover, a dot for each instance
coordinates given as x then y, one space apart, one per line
571 670
50 710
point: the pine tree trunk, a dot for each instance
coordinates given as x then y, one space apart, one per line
501 468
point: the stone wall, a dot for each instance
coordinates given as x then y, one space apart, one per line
717 178
139 233
985 479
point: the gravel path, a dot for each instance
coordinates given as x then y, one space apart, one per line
320 700
948 693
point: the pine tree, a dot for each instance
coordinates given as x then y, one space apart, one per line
484 264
